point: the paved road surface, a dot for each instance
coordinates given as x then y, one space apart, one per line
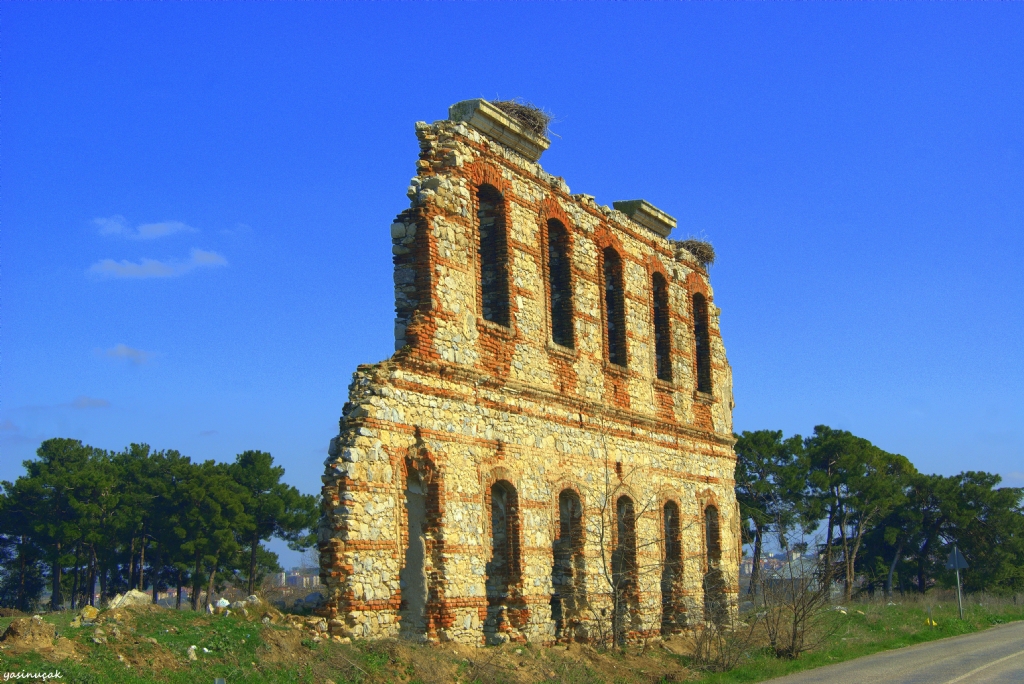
994 656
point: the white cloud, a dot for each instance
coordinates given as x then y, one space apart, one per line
152 268
123 351
117 225
84 402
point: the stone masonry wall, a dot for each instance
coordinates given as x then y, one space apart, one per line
473 430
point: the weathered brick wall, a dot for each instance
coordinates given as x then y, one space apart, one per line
468 410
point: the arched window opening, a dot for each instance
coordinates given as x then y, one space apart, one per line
493 256
624 571
715 602
503 570
703 342
673 611
568 578
413 575
662 335
614 307
560 284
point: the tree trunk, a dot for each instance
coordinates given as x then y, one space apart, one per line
156 564
892 569
142 564
92 574
252 565
847 568
828 546
131 565
103 582
177 603
755 568
55 602
22 573
209 588
195 581
922 559
851 562
74 580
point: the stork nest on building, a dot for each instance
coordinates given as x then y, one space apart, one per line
533 118
701 249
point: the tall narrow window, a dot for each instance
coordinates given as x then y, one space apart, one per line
662 336
703 342
624 571
493 256
503 570
560 284
615 307
413 574
715 601
673 612
568 573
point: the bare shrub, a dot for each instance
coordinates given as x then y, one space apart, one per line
719 646
794 607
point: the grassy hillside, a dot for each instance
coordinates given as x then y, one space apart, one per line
149 644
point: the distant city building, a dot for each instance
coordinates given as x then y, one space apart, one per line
303 577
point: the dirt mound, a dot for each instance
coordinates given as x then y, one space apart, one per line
29 634
11 612
64 649
282 645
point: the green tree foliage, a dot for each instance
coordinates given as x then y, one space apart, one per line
141 518
853 485
770 485
272 508
884 523
21 556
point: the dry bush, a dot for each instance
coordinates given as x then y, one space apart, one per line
795 609
719 646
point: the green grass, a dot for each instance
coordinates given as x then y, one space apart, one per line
880 628
238 651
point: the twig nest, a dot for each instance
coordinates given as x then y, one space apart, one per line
533 118
701 249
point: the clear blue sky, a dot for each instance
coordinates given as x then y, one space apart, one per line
196 199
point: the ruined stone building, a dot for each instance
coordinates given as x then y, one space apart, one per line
548 453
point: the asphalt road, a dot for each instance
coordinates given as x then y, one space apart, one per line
994 656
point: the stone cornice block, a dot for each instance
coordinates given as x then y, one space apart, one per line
647 215
499 126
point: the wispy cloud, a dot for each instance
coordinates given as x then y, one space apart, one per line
208 433
84 402
8 426
126 353
153 268
117 225
1015 479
